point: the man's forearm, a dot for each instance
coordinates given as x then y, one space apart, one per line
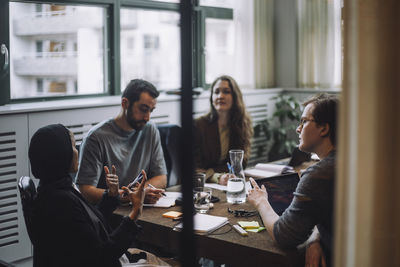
91 193
158 181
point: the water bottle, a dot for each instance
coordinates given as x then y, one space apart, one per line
236 188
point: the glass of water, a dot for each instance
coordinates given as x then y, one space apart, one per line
199 179
236 187
202 199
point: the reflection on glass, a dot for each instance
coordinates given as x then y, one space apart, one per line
57 50
220 48
230 44
150 47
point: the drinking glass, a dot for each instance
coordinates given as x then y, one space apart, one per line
202 199
236 187
199 179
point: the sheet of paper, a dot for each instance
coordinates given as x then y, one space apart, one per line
173 194
257 173
216 186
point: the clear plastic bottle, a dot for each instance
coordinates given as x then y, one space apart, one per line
236 188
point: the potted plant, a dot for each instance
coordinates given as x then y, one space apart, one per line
280 128
284 122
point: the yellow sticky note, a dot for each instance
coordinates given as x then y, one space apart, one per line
172 214
249 225
259 229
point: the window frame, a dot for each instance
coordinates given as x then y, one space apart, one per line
112 61
203 13
4 41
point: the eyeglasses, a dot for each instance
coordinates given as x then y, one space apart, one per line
243 213
303 121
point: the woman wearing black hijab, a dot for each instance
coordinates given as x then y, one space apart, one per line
67 230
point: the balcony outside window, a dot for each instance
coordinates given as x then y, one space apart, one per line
56 47
150 47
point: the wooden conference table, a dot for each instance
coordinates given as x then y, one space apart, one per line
257 249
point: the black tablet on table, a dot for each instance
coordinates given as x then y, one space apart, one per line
280 190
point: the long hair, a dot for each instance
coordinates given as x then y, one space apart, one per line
240 126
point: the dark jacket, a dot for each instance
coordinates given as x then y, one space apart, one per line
66 229
65 234
208 147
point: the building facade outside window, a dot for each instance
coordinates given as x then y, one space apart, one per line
150 47
54 47
71 50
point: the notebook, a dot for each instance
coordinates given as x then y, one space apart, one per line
262 170
280 190
165 201
205 224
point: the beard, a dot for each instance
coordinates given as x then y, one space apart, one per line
135 124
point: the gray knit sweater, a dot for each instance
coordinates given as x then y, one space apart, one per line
312 205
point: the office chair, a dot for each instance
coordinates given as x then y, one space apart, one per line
170 135
27 190
5 264
298 157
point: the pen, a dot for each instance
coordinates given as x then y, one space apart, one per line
229 167
152 186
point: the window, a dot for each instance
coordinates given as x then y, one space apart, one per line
220 48
320 44
228 44
54 45
52 50
156 55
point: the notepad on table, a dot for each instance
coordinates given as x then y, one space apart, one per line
165 201
205 224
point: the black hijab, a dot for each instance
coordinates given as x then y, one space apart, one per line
50 153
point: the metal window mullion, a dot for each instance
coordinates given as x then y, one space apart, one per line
187 244
113 37
217 12
207 12
198 48
153 5
5 89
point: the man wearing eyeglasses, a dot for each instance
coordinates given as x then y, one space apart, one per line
311 210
